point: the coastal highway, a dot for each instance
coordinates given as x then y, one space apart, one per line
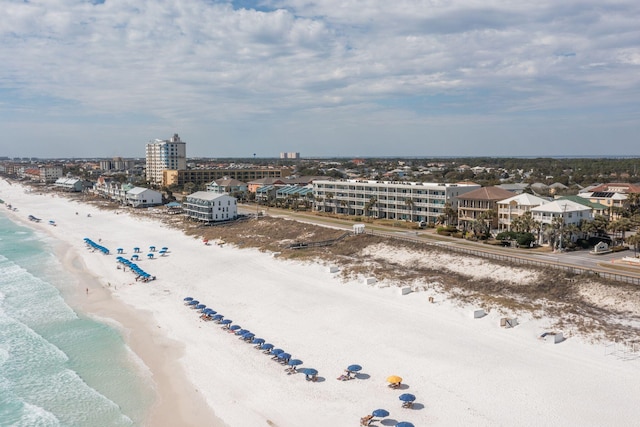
610 263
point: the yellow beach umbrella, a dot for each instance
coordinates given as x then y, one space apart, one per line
394 379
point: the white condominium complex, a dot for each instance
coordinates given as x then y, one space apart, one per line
165 154
410 201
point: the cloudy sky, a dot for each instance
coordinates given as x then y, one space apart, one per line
324 78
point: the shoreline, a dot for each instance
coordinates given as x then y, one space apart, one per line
177 401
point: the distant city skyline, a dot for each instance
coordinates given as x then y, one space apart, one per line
345 78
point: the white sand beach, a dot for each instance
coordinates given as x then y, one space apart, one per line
463 371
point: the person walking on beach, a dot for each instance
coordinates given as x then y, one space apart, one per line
87 291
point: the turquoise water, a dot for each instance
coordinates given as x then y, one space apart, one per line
58 367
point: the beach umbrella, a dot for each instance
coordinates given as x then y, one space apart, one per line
309 371
277 351
404 424
394 379
235 327
266 346
188 299
257 341
248 336
194 302
380 413
201 307
164 248
295 362
354 368
241 331
284 356
219 317
407 397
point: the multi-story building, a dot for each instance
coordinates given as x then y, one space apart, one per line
227 185
50 173
516 206
472 205
117 164
167 154
410 201
205 176
210 207
290 156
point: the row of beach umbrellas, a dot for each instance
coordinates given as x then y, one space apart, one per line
134 267
260 343
94 245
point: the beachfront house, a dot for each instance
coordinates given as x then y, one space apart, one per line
140 197
516 206
559 213
210 207
69 184
227 185
479 205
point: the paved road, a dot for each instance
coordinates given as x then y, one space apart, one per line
608 263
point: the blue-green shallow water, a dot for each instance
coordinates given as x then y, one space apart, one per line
58 367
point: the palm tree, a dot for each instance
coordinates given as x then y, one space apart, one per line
450 214
369 205
344 204
410 204
329 197
523 223
621 226
635 241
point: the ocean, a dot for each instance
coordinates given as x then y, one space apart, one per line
58 367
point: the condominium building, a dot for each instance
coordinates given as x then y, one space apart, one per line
165 154
410 201
205 176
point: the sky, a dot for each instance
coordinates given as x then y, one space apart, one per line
325 78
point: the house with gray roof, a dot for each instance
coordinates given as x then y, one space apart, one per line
210 207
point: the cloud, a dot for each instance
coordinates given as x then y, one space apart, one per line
195 61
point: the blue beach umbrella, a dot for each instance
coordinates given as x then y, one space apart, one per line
219 317
295 362
277 351
284 356
354 368
309 371
248 336
241 331
404 424
266 346
194 302
380 413
407 397
188 299
201 307
257 341
235 327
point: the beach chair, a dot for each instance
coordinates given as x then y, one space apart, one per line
395 385
408 405
365 421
